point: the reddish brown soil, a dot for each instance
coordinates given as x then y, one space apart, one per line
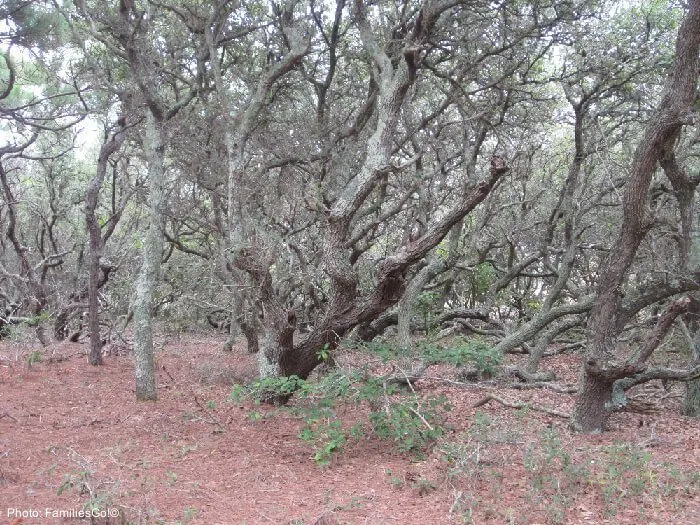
69 432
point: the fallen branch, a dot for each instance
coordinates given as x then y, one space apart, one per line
564 348
478 331
562 389
535 377
458 383
550 411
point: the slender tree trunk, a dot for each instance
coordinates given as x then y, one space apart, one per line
249 326
95 356
565 208
150 267
684 194
133 31
602 366
405 309
110 146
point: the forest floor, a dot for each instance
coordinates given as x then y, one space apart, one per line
73 438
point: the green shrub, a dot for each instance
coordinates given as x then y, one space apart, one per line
477 353
325 433
397 414
412 424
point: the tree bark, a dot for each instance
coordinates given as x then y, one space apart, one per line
150 266
602 362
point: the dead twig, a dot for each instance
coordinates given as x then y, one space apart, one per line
492 397
210 418
404 378
168 373
7 414
418 414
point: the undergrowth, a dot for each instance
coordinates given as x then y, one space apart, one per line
461 352
557 477
397 414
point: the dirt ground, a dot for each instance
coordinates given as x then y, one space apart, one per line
73 439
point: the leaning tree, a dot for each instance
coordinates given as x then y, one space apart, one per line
604 364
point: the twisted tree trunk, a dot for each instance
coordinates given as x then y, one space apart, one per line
602 364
